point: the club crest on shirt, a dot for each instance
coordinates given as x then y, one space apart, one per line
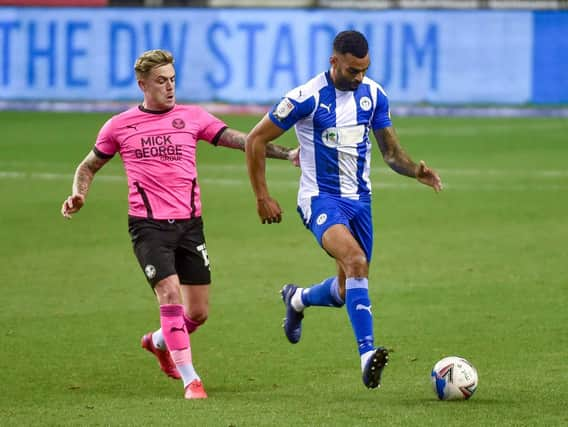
178 123
365 103
330 137
283 109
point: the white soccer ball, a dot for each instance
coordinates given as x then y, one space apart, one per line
454 378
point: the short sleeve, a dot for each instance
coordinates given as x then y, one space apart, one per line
382 117
106 145
288 111
210 126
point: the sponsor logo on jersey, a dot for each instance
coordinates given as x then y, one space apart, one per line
365 103
159 146
345 136
283 109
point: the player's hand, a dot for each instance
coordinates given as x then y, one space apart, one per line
429 177
294 156
268 210
72 204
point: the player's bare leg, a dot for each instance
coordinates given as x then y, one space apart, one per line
196 305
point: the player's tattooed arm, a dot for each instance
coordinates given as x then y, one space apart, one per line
81 183
232 138
275 151
86 172
393 154
401 162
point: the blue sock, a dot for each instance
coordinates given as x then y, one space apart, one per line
325 294
359 310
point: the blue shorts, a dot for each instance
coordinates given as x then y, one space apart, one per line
321 212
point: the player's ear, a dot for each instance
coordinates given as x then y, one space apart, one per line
333 60
141 84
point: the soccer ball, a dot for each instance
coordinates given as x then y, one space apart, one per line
454 378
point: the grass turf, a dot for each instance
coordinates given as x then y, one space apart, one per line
479 271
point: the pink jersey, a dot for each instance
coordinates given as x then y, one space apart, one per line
158 152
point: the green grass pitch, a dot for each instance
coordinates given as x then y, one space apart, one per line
480 270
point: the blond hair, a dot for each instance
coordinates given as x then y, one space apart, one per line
150 60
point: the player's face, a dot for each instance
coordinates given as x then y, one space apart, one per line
347 71
159 88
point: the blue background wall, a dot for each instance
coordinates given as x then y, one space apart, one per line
550 58
255 56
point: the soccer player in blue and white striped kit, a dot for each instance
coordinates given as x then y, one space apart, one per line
333 114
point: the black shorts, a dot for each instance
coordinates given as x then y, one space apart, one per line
166 247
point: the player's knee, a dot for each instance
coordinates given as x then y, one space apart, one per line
169 298
167 293
199 315
356 265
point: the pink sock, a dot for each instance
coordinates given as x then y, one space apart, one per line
181 357
173 327
175 334
190 324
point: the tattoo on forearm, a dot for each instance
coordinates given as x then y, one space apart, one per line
394 155
85 173
235 139
83 179
275 151
402 163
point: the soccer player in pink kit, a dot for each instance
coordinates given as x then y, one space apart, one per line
157 143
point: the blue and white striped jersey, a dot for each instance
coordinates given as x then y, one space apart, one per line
332 127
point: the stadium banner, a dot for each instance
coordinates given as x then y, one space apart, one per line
257 55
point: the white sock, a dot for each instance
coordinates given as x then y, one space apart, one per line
187 373
365 357
158 340
297 300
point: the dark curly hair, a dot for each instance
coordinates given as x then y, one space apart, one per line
352 42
